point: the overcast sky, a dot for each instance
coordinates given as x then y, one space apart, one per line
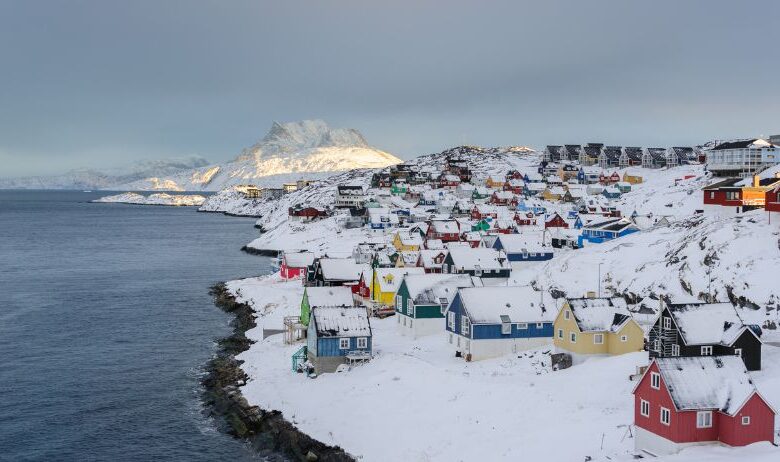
102 83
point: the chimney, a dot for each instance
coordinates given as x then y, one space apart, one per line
756 181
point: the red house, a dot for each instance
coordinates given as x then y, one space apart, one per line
307 213
481 211
687 401
362 288
611 179
556 221
525 219
295 265
449 181
505 198
444 230
773 200
514 175
723 197
514 186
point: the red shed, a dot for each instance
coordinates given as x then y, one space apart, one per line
294 265
525 218
556 221
444 230
723 196
686 401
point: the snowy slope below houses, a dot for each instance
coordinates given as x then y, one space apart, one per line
498 409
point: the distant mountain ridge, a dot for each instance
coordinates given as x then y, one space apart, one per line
306 149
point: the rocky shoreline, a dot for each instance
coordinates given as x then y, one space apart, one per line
266 431
262 252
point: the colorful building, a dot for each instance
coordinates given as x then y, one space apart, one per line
422 300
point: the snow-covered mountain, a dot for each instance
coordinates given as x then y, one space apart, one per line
108 179
308 149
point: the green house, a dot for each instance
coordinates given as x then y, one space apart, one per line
421 300
340 296
399 188
480 193
481 225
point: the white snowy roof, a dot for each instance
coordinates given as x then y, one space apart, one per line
389 279
416 284
536 186
445 226
504 195
707 323
599 314
534 176
408 238
707 382
299 259
520 304
480 258
340 269
341 322
329 296
525 242
434 244
427 257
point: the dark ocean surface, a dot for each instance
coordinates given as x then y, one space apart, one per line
106 324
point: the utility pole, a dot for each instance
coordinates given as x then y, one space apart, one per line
600 279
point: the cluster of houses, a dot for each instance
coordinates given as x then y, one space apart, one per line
442 265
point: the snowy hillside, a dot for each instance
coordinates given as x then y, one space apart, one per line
153 199
288 152
151 170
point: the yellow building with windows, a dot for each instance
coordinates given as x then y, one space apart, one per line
494 182
596 326
632 178
386 281
405 241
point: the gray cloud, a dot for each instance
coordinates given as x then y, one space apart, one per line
104 82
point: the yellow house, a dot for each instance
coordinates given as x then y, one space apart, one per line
596 326
553 194
755 194
386 282
405 241
632 179
494 182
407 259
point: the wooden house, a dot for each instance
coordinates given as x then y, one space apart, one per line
524 218
337 336
523 248
597 326
632 178
448 181
443 230
296 265
611 192
597 232
382 218
495 182
503 198
385 282
431 260
306 213
555 221
683 402
330 272
704 329
772 200
482 262
723 197
533 189
487 322
314 297
481 211
568 172
552 194
630 157
406 241
422 300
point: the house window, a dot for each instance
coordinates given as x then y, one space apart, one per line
655 380
675 350
738 352
624 338
572 337
464 327
704 419
745 420
343 343
451 320
712 194
644 408
566 315
362 342
506 328
560 333
522 325
666 416
540 325
706 350
410 308
598 339
667 322
399 303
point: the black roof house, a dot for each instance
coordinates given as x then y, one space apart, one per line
704 329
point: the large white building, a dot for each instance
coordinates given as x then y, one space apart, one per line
742 158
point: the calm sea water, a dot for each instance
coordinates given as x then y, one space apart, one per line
105 324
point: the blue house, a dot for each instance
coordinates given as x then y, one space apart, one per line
606 230
578 223
336 336
486 322
611 192
523 248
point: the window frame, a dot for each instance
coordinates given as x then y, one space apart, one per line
675 350
665 413
522 325
667 322
644 408
566 315
465 326
342 340
451 320
704 419
363 341
738 352
624 338
560 333
572 337
745 420
706 350
655 380
600 337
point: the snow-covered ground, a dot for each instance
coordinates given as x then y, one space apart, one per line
416 401
192 200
